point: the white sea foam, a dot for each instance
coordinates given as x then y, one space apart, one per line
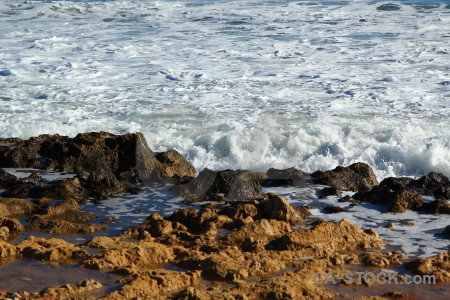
237 84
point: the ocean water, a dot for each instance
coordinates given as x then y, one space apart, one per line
237 84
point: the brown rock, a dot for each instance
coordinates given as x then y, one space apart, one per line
51 249
15 228
61 226
157 285
13 206
6 249
326 236
278 208
67 291
174 168
383 260
7 179
356 177
128 254
438 266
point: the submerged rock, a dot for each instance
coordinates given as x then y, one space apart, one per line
356 177
437 266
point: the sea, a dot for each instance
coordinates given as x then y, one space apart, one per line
248 84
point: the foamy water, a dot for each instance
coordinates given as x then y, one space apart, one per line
237 84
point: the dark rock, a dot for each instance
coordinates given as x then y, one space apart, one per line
7 179
399 199
442 192
432 180
394 193
439 206
126 157
333 209
356 177
328 191
287 177
446 231
234 185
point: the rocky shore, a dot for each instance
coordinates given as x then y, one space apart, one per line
241 243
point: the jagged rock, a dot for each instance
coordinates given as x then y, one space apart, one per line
287 177
437 266
13 206
356 177
342 236
126 157
432 180
51 249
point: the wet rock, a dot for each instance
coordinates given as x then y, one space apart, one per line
328 191
130 254
157 285
278 208
383 260
394 194
51 249
234 185
333 209
446 231
59 189
439 206
156 226
398 295
59 225
437 266
7 179
356 177
6 249
329 236
126 157
14 227
67 291
286 177
432 180
174 168
16 207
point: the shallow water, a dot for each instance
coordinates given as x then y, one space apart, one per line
237 84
